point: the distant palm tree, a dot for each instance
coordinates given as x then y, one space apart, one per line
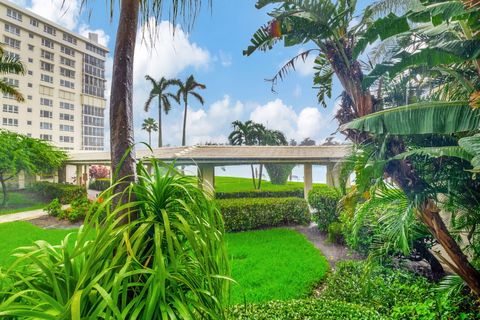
150 125
159 91
11 65
186 89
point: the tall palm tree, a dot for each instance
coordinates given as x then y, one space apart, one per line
10 65
159 91
150 125
121 94
184 90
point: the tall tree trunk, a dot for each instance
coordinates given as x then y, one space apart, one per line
184 135
121 113
150 138
4 191
260 177
253 177
160 138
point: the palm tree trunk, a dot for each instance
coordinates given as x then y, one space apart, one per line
121 113
160 142
184 125
150 138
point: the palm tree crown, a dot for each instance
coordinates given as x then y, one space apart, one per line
184 90
10 65
149 125
159 90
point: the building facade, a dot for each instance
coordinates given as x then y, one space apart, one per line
64 85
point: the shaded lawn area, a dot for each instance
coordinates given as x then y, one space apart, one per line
23 200
267 264
273 264
234 184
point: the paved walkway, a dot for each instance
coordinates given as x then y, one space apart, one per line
334 252
25 215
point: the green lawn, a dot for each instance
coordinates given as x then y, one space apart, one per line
267 264
234 184
273 264
22 201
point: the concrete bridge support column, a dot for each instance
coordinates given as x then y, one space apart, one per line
206 177
78 175
62 174
333 175
307 179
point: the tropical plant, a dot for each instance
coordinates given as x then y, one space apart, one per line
149 125
10 65
30 155
158 90
184 91
121 96
170 263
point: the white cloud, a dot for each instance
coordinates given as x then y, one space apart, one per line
297 92
64 12
225 59
103 37
276 115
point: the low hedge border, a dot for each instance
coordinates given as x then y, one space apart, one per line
65 193
256 213
99 184
298 193
319 309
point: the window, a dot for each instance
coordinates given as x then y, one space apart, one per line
46 78
67 62
67 51
12 82
46 66
47 91
49 29
9 96
46 137
66 95
66 116
31 35
34 22
11 55
67 73
30 60
14 14
67 84
14 43
46 114
29 122
29 97
30 85
10 122
10 108
97 50
66 139
46 125
66 127
29 109
69 38
47 43
12 29
66 106
30 47
30 72
47 55
46 102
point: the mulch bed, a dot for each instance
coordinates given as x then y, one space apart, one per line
49 222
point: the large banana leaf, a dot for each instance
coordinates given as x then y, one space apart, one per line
420 118
435 152
472 146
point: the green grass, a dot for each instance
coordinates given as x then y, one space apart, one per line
273 264
21 233
268 264
24 200
234 184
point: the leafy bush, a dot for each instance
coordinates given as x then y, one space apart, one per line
361 242
98 172
297 193
255 213
303 309
54 208
170 263
279 173
99 184
77 211
65 193
335 234
324 200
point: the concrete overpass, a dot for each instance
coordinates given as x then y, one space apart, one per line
206 158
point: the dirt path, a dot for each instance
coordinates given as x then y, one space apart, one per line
332 251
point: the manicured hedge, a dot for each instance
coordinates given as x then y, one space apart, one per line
324 201
65 193
255 213
318 309
297 193
99 184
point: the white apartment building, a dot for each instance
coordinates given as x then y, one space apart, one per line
64 85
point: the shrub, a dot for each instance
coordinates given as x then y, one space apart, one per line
335 232
302 309
279 173
98 172
99 184
324 200
77 211
255 213
297 193
65 193
54 208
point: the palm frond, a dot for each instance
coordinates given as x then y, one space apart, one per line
8 89
436 152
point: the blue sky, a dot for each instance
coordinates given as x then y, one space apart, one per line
212 51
